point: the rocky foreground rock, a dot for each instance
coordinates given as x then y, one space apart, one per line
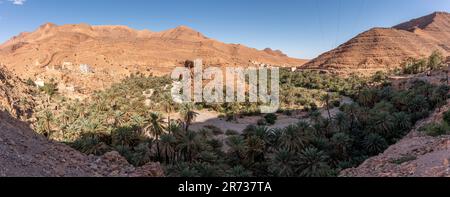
25 153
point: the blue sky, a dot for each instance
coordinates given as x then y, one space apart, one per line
300 28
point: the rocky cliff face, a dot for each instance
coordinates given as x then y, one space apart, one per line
384 48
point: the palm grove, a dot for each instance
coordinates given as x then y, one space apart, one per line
118 119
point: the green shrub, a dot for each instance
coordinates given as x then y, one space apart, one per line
336 103
313 107
49 88
231 132
288 112
215 130
403 159
436 129
379 76
262 122
271 118
447 117
374 143
30 82
90 144
435 60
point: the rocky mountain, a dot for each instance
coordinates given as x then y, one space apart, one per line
110 52
384 48
109 46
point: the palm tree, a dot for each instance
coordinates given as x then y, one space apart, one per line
207 170
237 146
274 137
283 163
168 146
175 127
261 132
155 129
255 148
94 126
352 111
48 119
382 122
188 114
67 118
402 121
238 171
118 118
123 136
291 139
137 120
374 143
182 170
233 110
313 163
302 126
342 143
50 89
189 145
155 126
341 121
315 116
169 107
326 99
367 97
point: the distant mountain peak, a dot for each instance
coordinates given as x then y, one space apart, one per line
387 48
436 19
184 33
117 51
48 25
184 28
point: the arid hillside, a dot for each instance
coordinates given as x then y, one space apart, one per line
386 48
15 96
108 53
120 46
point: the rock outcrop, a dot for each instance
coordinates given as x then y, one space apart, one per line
15 95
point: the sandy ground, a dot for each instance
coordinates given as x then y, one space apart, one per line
206 118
